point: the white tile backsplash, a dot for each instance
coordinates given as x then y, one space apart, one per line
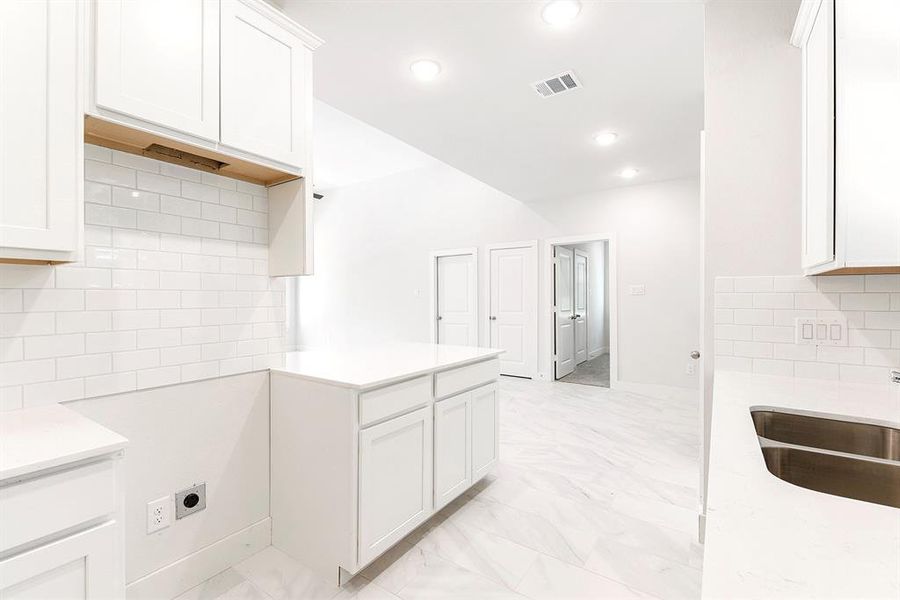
754 325
172 287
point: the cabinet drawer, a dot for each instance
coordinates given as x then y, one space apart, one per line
450 382
394 400
45 505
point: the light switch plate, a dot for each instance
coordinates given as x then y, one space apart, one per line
637 290
820 332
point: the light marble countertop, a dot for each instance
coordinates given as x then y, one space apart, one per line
766 538
43 437
373 366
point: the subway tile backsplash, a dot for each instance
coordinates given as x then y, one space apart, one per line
173 287
755 319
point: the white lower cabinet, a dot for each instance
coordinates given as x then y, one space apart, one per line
452 448
85 565
355 468
395 480
485 432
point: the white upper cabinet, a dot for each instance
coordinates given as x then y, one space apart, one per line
158 61
228 80
266 87
851 135
41 144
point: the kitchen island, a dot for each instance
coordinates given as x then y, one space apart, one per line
368 443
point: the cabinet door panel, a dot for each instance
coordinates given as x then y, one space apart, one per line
395 480
84 565
868 133
40 125
265 87
818 140
158 61
485 434
452 449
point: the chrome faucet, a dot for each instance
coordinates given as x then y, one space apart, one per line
895 375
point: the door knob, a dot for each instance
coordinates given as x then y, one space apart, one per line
492 318
439 318
695 354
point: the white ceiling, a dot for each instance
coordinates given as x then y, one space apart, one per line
641 65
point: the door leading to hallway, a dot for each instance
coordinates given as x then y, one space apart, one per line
512 318
581 306
564 313
456 292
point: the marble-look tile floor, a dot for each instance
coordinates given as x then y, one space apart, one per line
595 496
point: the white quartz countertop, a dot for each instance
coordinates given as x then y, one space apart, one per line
766 538
374 366
43 437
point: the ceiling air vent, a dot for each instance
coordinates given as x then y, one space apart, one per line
557 84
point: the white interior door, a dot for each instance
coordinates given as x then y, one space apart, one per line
564 312
513 314
581 306
456 300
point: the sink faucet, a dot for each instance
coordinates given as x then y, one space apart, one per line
895 375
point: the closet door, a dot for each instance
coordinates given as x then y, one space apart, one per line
457 300
580 288
513 308
266 86
158 61
564 311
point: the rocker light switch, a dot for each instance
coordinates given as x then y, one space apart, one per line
821 332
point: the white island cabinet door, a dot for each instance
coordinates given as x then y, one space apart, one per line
41 144
266 87
452 449
158 61
395 480
485 433
83 566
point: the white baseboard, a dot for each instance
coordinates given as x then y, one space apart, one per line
197 567
665 392
598 352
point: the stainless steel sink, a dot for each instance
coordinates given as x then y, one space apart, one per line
877 441
869 480
830 455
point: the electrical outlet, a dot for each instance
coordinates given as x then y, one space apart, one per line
159 514
189 501
689 370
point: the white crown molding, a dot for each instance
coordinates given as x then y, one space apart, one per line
806 17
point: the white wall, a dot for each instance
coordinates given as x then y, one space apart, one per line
598 297
214 431
373 241
173 287
752 123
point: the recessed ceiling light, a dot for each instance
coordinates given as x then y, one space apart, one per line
425 70
605 138
628 172
560 12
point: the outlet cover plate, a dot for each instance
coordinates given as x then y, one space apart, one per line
159 514
183 508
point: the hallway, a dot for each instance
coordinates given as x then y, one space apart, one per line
591 372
